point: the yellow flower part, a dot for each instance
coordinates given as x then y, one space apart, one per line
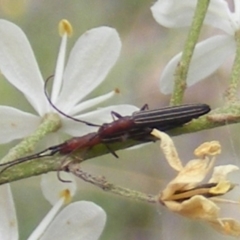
66 195
188 196
168 147
65 27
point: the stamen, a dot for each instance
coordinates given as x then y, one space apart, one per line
66 195
65 27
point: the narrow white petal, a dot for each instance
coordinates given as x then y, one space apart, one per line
91 103
175 14
207 58
19 66
8 218
90 61
100 116
40 229
78 221
16 124
138 146
77 129
104 115
236 10
52 187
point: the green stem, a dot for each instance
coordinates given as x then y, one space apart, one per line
50 123
229 114
231 93
107 186
183 66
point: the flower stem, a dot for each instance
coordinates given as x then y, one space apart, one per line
229 114
183 66
231 93
107 186
50 123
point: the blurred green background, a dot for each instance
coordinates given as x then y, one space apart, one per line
146 49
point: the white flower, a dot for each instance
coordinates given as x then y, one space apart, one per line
79 220
8 219
90 60
208 54
188 196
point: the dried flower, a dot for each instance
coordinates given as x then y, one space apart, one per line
188 196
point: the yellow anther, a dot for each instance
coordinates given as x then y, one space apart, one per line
66 195
65 27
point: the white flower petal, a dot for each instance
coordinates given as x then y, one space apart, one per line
19 66
220 172
16 124
8 219
236 12
91 103
104 115
79 220
207 57
220 16
76 129
90 61
99 116
175 14
53 188
138 146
